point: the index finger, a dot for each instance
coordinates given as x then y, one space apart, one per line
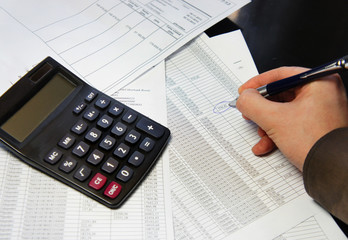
271 76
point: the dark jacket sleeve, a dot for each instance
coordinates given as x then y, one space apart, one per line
325 173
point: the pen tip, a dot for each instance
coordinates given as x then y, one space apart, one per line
233 103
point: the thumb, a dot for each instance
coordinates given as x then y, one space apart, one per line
255 107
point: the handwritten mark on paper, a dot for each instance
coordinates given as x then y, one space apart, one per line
221 107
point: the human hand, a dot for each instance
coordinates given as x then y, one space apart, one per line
293 120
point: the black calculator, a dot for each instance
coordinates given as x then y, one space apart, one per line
59 124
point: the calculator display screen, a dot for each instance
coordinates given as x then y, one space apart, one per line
37 109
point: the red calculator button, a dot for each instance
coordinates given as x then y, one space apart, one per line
113 190
97 181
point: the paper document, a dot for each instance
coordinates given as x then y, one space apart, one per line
220 190
108 42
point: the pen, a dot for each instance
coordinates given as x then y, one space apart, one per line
302 78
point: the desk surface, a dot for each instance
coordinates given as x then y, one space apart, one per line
295 32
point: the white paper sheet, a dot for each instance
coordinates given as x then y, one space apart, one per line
108 42
220 190
82 36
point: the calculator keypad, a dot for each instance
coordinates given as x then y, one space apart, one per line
80 127
95 157
53 156
97 181
67 141
110 165
119 129
113 190
82 173
68 164
106 146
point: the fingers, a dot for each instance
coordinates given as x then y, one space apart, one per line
253 107
271 76
293 120
264 146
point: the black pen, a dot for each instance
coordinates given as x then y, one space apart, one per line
300 79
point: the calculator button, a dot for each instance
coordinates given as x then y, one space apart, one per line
110 165
102 102
93 135
150 127
115 110
80 127
53 156
95 157
130 116
67 141
91 96
107 143
121 151
97 181
82 173
91 114
132 137
147 144
113 190
81 149
136 159
125 174
68 164
79 108
105 121
119 129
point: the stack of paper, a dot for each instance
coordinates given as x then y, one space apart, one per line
207 185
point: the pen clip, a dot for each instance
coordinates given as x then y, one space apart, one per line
339 64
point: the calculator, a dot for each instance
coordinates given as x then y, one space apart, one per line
60 125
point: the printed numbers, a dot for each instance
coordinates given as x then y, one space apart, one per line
122 150
81 149
119 129
107 143
105 121
93 135
125 174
